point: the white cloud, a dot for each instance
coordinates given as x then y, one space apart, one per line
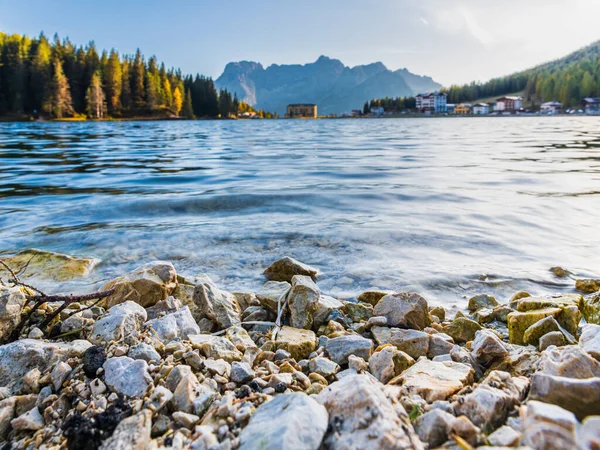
478 32
424 21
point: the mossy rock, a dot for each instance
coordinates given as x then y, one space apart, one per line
372 297
300 343
531 303
543 326
48 265
462 329
439 312
519 322
358 312
590 308
587 285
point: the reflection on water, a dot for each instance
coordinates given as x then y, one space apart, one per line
446 207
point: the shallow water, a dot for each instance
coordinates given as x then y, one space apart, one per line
446 207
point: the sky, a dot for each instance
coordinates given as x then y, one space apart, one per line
453 41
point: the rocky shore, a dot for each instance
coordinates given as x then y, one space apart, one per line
167 362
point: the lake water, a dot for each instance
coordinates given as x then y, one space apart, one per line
445 207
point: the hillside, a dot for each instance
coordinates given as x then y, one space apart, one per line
567 80
327 82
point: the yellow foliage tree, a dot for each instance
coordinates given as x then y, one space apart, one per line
177 101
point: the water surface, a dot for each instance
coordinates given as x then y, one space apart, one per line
447 207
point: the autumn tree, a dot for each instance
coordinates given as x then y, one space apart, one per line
113 82
177 101
95 100
60 103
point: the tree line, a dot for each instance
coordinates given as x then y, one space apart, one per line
57 79
566 80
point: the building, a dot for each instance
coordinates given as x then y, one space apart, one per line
431 102
463 108
509 103
591 105
356 113
450 108
302 110
481 109
551 107
377 110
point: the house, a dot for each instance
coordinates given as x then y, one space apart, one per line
356 113
509 103
302 110
450 108
481 108
463 108
551 107
591 105
377 110
431 102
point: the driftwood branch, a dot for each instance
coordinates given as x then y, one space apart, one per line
40 298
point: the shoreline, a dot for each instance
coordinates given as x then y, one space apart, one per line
157 359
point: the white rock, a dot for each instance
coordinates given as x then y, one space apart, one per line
588 435
590 340
487 347
323 366
547 426
132 433
121 322
185 420
361 416
97 387
504 436
143 351
216 347
59 374
324 306
160 397
127 376
405 309
12 301
21 356
179 324
289 421
35 333
218 367
220 306
435 380
31 420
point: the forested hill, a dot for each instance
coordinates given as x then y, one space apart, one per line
57 79
567 80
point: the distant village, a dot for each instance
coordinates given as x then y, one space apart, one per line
434 103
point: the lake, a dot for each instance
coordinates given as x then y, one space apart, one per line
446 207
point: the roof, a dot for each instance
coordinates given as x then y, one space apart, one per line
591 100
548 104
300 104
510 97
482 104
429 94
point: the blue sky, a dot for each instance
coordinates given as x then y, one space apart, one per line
454 41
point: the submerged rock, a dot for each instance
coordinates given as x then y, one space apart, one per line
146 285
285 268
218 305
49 265
587 285
289 421
405 309
362 416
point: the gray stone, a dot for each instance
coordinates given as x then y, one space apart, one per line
185 391
239 336
405 309
580 396
241 372
145 285
21 356
218 305
414 343
547 427
555 338
132 433
433 427
127 376
323 366
504 436
122 321
492 401
487 346
216 347
185 420
273 294
439 344
179 324
382 423
59 374
166 306
285 268
289 421
143 351
588 435
12 301
32 420
569 361
302 301
482 301
388 363
324 307
340 348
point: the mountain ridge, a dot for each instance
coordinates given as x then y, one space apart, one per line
333 86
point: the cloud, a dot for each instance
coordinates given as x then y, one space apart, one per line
478 32
422 19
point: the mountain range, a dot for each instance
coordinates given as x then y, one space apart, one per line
330 84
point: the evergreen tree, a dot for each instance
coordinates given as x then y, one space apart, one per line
126 100
113 82
60 103
95 100
41 74
188 111
138 92
366 108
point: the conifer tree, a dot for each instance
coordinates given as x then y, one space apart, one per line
188 112
177 101
61 104
113 82
95 100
